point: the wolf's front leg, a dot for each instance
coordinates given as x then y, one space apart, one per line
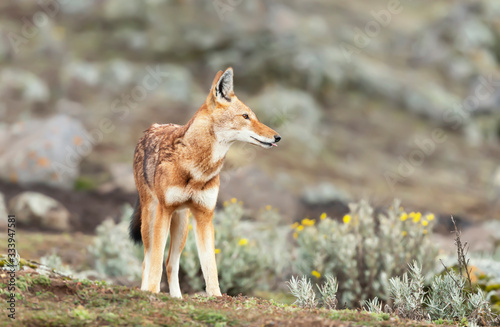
204 231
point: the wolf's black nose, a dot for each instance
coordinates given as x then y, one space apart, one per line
277 138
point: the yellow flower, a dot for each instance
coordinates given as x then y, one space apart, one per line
308 222
294 225
323 216
424 231
347 219
300 228
268 207
295 235
190 226
234 200
425 223
404 233
416 216
430 216
217 251
404 216
316 274
243 242
225 204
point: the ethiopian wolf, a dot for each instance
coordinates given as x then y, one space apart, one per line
176 169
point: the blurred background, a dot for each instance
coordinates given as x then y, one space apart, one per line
374 100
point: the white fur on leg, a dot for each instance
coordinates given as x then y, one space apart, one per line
145 273
175 254
147 255
206 252
158 242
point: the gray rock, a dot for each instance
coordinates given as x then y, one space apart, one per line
38 210
120 72
123 176
369 74
3 213
45 151
117 9
287 105
294 113
80 72
430 100
473 33
31 88
324 193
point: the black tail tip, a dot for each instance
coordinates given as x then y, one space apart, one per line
135 224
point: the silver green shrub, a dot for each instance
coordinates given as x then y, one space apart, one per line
113 253
55 262
408 293
447 299
374 305
249 254
363 251
302 290
328 292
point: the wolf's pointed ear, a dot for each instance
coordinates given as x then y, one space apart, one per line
222 87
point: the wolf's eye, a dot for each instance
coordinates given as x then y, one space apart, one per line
246 116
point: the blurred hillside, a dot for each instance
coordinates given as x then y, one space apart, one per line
373 99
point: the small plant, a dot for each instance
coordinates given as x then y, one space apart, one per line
42 280
408 293
114 253
302 290
364 250
55 262
447 299
328 292
374 305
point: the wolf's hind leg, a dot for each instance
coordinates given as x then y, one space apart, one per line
178 235
159 237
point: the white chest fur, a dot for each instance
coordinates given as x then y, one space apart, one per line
199 175
207 198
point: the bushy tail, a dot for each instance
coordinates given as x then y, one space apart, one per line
135 223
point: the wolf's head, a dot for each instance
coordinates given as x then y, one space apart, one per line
232 119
